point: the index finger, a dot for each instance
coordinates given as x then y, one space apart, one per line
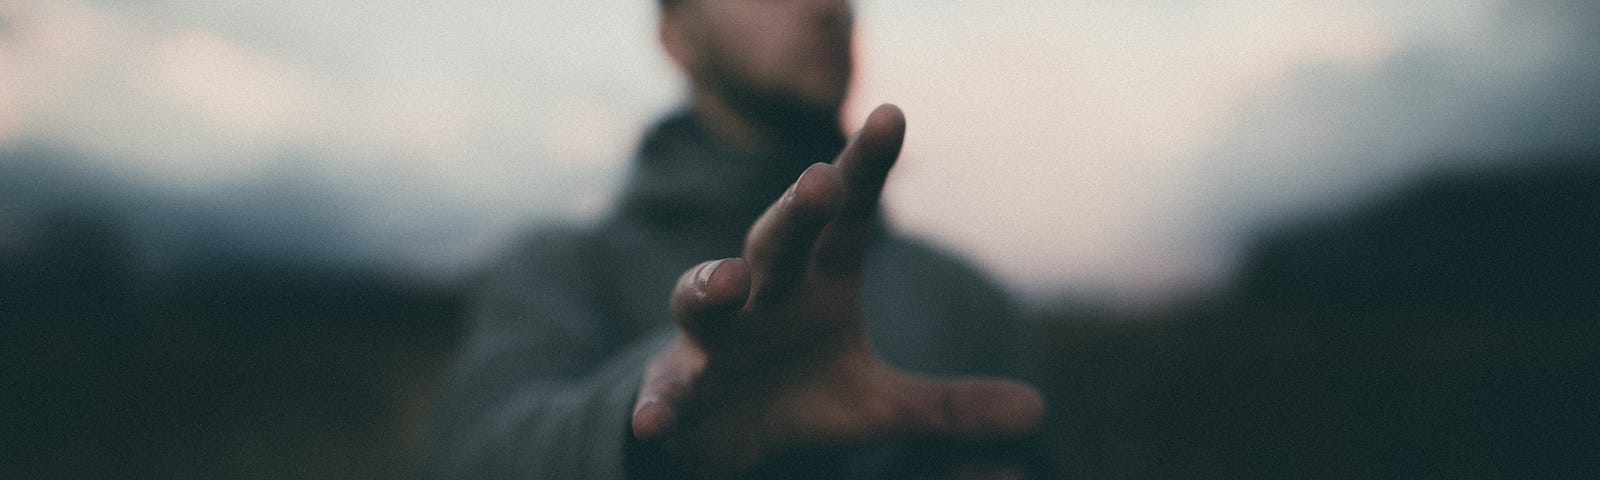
863 167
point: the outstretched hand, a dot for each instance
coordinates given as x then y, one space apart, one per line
773 351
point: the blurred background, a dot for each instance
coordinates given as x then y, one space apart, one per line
1324 239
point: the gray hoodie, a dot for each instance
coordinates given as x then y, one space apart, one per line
564 325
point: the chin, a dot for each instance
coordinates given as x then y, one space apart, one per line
829 96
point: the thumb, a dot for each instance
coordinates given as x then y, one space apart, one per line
667 381
973 409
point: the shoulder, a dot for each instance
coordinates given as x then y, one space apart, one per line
549 245
919 259
940 278
960 312
544 257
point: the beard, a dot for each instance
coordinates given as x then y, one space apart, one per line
784 108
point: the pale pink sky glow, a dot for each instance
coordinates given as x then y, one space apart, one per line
1120 148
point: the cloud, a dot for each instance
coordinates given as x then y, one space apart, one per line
468 128
1116 147
1128 148
1061 144
1517 84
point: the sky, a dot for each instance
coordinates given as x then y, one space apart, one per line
1114 149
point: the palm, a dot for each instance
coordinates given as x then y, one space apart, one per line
774 351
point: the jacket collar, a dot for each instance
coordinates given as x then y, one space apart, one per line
683 180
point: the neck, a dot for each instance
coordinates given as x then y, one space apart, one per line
761 129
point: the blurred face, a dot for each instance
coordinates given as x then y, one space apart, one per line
765 54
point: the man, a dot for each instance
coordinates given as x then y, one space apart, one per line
627 351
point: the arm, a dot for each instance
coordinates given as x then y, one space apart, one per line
546 380
770 354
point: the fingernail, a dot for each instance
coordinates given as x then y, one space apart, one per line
668 420
703 278
793 187
651 420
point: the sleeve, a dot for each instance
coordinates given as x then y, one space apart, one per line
544 385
